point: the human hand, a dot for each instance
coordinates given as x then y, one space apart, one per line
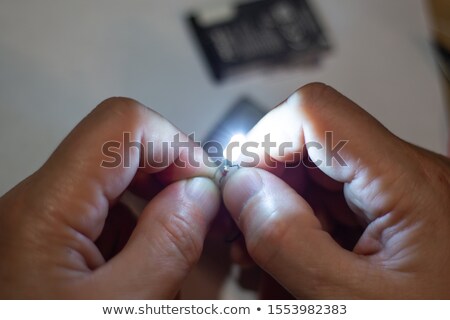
50 222
374 226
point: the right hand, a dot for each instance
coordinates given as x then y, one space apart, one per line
377 227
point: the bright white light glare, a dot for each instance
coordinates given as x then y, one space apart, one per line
233 149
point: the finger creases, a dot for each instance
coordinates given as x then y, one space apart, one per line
284 236
329 132
166 242
338 135
99 159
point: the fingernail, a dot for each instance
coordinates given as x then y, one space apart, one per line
203 192
240 187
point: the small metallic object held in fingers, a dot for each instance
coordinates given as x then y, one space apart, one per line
225 169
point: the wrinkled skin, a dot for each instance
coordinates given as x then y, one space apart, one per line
376 227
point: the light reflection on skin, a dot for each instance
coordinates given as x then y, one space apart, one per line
233 149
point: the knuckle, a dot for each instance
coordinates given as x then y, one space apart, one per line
124 109
314 90
316 95
122 106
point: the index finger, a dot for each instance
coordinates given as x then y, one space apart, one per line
342 140
98 160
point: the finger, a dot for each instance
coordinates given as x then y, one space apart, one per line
98 160
306 117
191 161
342 140
285 238
165 245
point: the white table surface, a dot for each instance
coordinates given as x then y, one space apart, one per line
59 58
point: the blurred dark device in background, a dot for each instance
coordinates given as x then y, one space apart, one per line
239 120
257 34
443 58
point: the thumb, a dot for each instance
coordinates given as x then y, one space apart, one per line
165 245
285 238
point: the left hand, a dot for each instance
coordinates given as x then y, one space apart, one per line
49 223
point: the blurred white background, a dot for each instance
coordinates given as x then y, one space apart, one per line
60 58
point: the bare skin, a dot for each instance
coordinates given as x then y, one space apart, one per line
50 223
378 227
392 198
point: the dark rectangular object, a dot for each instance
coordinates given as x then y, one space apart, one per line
240 119
258 32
